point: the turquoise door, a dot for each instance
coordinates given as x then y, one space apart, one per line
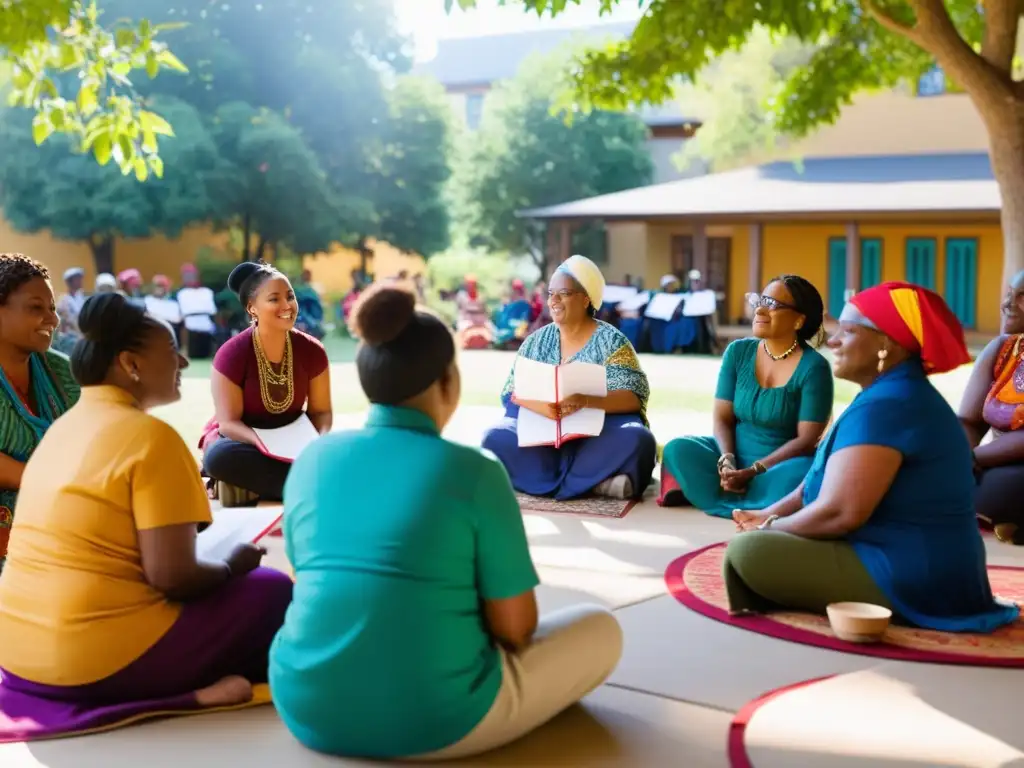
836 275
962 278
870 262
921 261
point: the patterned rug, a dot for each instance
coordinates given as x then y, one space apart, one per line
738 755
593 506
695 580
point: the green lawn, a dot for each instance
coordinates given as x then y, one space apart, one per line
678 383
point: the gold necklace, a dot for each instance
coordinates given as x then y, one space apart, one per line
784 355
269 377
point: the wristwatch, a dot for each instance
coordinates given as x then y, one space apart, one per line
767 523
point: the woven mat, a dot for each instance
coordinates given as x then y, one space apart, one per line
594 506
696 581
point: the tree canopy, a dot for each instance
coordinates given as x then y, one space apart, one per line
311 134
75 72
860 44
526 155
53 188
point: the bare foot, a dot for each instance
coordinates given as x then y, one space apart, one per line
225 692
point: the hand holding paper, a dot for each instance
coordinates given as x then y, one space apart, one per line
567 386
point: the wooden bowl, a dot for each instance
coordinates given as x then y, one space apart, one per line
859 622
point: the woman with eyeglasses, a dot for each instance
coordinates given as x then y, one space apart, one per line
618 463
772 404
886 513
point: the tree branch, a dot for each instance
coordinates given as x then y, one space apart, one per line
1000 40
988 87
894 25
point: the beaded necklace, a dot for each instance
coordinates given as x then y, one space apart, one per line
784 355
270 378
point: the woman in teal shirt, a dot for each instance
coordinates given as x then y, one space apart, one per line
886 513
772 404
413 624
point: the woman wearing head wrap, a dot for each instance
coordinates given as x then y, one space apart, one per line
513 318
886 512
474 327
198 308
422 612
772 404
105 283
620 461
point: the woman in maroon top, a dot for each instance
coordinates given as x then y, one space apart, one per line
264 377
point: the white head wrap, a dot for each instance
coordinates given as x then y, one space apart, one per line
106 280
694 274
587 274
73 272
668 280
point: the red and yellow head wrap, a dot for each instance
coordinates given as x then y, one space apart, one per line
917 319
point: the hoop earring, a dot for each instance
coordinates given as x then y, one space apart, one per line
882 355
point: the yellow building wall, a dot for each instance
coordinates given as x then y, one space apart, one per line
332 271
803 249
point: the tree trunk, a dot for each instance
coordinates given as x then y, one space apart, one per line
364 258
1006 143
261 249
102 247
246 235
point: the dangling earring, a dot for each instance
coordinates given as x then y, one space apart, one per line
255 320
882 354
134 376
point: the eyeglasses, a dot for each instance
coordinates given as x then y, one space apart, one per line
563 294
759 301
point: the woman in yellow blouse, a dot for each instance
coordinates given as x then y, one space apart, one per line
106 613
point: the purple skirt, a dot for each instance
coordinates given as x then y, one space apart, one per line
227 633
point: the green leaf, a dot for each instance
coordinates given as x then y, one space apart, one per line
87 99
149 143
153 123
42 128
141 169
167 59
157 166
152 65
102 148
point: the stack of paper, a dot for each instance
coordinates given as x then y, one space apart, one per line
234 526
664 305
546 383
286 443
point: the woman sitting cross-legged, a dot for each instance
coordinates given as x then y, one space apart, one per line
886 513
414 629
620 461
36 385
772 404
106 612
265 377
994 402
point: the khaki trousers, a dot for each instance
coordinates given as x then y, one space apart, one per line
573 651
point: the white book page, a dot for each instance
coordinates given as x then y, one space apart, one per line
534 429
288 442
635 303
588 421
616 294
197 301
534 381
582 379
165 309
234 526
700 304
663 306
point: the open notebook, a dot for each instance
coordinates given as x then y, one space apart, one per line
235 526
286 443
548 383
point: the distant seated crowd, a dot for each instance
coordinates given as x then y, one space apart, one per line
412 631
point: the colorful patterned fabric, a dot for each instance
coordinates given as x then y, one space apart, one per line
54 391
607 347
917 319
1004 405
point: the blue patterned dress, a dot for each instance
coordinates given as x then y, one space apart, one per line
624 447
54 391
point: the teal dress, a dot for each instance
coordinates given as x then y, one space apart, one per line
54 390
766 419
384 652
